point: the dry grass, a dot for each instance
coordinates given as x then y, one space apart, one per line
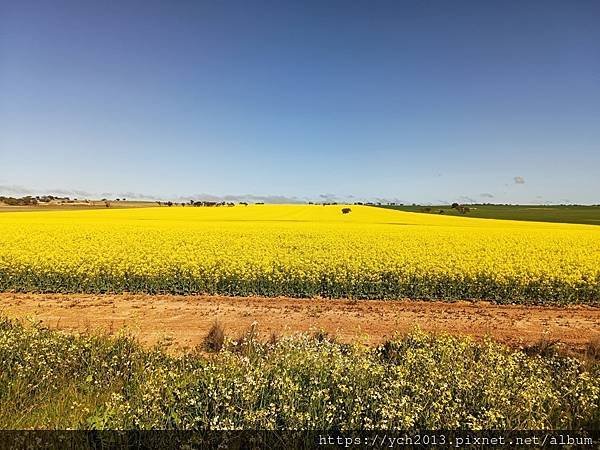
543 347
215 339
592 349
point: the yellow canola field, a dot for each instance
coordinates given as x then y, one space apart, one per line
304 251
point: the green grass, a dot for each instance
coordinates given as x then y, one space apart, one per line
53 380
589 215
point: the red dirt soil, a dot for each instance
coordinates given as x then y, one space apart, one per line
183 321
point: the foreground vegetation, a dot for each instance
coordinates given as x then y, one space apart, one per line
583 214
54 380
301 251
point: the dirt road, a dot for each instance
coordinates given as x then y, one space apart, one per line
184 321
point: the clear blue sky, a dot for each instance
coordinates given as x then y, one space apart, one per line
415 101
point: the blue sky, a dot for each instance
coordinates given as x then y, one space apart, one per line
412 101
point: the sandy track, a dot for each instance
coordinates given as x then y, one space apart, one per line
185 320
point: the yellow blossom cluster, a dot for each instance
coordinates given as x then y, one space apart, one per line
299 250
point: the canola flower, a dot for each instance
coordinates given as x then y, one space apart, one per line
299 250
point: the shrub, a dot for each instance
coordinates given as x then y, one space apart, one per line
214 340
53 380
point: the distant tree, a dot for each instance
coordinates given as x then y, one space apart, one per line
346 210
455 205
23 201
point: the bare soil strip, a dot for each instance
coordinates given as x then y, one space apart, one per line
183 321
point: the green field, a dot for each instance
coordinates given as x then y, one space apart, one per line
589 215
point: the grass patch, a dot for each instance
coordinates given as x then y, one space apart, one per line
582 214
49 379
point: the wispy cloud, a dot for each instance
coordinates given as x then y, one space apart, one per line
70 193
519 180
387 200
285 199
250 198
328 197
19 190
486 195
14 189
